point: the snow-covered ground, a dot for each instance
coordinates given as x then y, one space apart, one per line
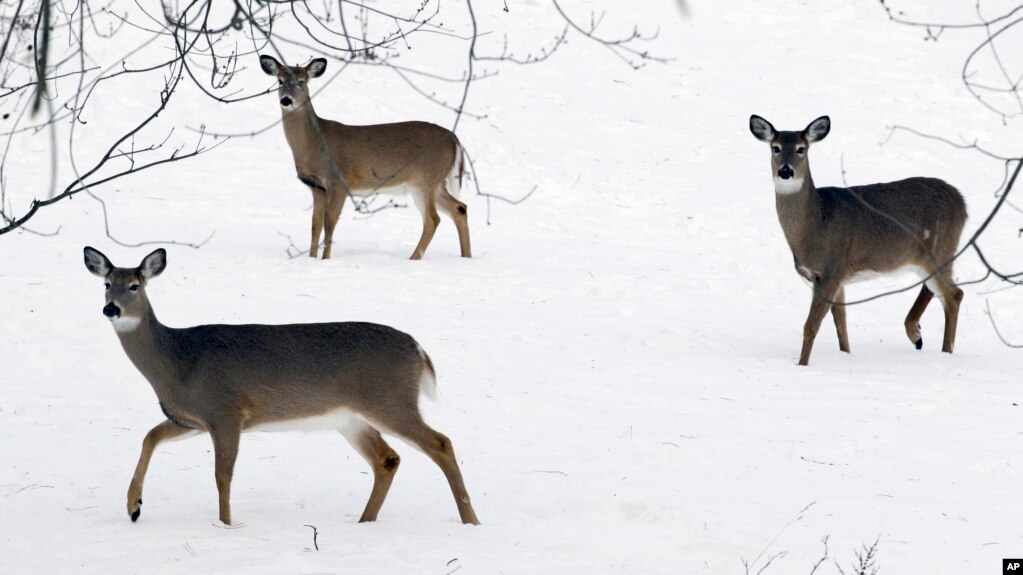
617 363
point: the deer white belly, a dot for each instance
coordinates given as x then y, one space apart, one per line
863 276
866 275
387 190
342 419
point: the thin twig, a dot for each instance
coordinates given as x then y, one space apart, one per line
316 533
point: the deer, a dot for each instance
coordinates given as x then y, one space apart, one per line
353 377
842 235
336 160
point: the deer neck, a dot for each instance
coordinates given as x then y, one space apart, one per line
304 131
149 345
799 213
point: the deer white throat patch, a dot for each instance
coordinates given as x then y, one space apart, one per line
789 186
124 323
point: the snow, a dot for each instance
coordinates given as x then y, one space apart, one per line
616 364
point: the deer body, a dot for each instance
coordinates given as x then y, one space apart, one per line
186 366
336 160
356 378
813 213
841 235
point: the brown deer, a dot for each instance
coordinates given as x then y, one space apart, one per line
336 160
356 378
841 235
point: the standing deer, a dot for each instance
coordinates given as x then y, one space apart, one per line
336 160
840 235
356 378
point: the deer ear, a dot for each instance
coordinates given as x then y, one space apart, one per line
817 129
761 128
270 65
153 264
317 67
97 263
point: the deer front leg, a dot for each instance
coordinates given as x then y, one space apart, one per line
336 196
225 450
824 292
838 314
319 211
162 432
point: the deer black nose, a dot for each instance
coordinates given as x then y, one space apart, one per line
785 172
285 101
110 310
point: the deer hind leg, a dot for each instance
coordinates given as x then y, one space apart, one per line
225 451
165 431
384 461
824 292
336 197
319 212
438 448
459 213
914 315
428 206
951 297
838 314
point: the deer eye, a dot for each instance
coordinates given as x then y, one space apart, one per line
106 285
800 150
134 287
776 149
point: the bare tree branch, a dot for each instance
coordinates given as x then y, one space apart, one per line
208 43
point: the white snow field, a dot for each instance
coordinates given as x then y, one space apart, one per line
616 363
